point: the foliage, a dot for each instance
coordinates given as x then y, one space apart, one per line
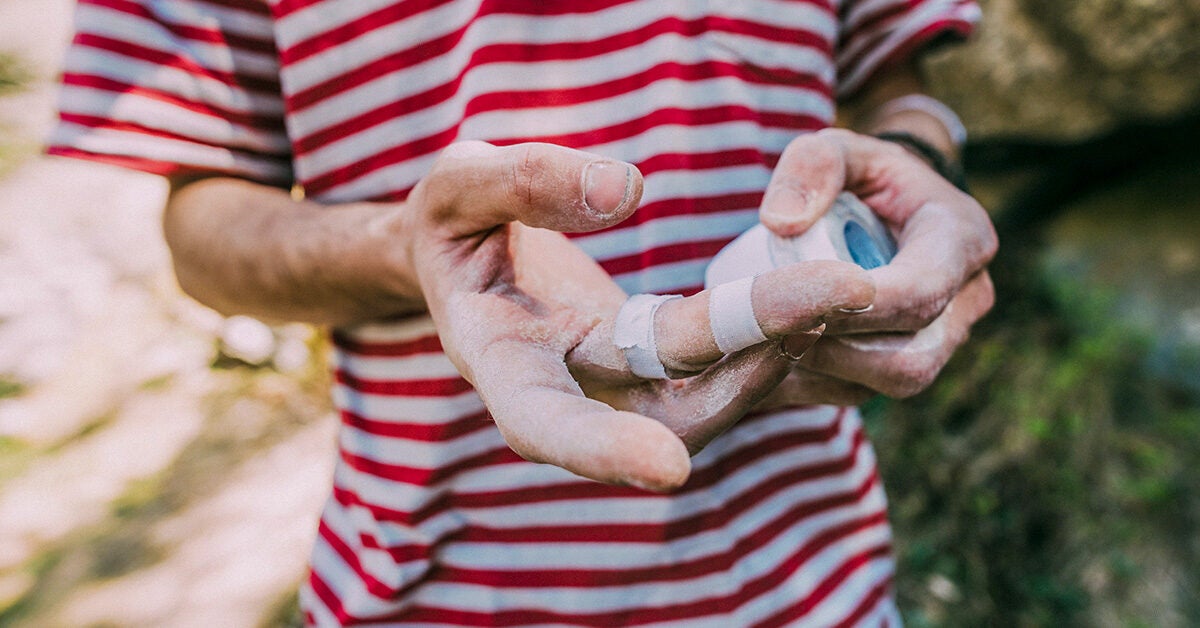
13 73
10 388
1046 478
14 76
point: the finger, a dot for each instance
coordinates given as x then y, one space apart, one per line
802 387
713 401
544 417
810 174
926 272
474 186
699 409
902 365
945 237
785 301
815 167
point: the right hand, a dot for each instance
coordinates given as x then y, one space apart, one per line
929 296
526 316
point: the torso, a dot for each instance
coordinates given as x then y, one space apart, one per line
433 518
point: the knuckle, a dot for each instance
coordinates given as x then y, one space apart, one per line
437 190
522 175
905 388
464 149
991 244
989 295
924 312
988 241
914 375
522 448
834 134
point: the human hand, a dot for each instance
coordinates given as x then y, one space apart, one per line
526 316
928 296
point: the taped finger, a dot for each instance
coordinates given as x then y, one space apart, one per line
731 316
633 333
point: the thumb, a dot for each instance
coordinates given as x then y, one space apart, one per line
474 186
810 174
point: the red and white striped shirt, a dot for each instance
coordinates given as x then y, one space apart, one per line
432 519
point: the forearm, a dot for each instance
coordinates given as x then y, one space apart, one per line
245 248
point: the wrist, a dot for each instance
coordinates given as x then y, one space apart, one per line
389 255
937 120
949 167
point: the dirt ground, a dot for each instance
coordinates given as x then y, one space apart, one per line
159 465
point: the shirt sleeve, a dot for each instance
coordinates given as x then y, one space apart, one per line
875 34
177 87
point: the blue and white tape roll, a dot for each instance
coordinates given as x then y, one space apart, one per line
849 231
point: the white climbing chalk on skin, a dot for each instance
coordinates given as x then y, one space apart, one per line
633 333
731 315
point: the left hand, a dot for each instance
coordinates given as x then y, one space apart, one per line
927 298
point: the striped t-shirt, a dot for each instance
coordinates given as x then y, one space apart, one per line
432 519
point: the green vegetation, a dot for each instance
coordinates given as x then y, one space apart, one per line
15 456
10 388
14 76
250 411
13 73
1047 478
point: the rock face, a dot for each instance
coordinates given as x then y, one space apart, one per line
1065 70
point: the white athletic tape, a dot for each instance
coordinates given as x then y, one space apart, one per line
929 106
633 333
731 314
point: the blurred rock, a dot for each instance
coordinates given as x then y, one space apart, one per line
75 235
36 32
247 339
1063 71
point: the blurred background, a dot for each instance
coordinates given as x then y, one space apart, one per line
161 465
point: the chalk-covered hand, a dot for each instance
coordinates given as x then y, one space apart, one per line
927 298
527 317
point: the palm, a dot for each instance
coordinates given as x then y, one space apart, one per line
527 317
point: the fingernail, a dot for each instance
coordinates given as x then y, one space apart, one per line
785 210
845 312
606 186
795 346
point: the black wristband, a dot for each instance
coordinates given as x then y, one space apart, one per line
950 169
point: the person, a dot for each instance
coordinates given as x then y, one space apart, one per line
467 191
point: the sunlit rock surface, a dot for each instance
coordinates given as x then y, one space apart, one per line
1068 69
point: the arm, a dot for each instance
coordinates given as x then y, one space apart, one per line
245 248
523 314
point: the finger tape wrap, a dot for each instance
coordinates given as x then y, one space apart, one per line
731 314
633 333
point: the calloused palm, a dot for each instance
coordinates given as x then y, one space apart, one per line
527 317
